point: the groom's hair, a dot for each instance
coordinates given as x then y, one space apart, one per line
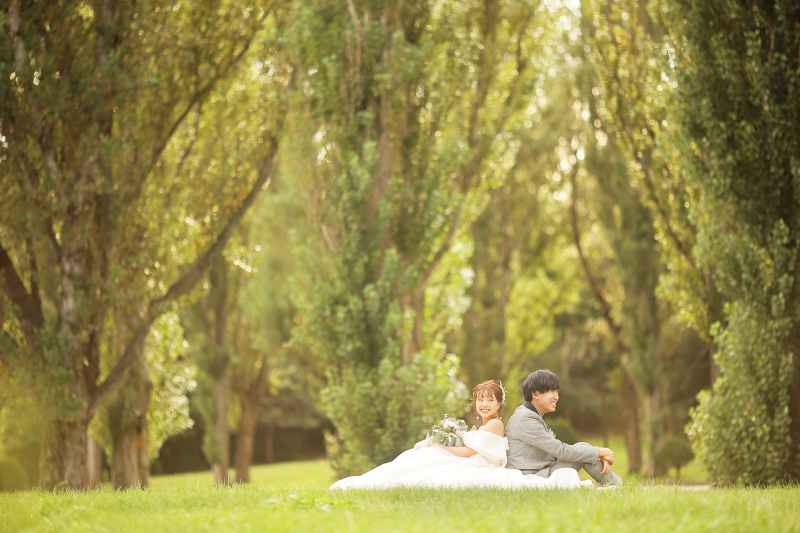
539 381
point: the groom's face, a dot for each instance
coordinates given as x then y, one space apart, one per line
545 402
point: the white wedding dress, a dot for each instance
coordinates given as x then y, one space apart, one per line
434 467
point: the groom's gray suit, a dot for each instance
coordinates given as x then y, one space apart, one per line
534 449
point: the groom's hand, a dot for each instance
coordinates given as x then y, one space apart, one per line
606 467
606 455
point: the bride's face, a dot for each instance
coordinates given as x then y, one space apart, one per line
487 406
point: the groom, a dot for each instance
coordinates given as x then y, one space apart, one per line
534 449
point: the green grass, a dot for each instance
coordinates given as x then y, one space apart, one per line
636 507
294 497
279 475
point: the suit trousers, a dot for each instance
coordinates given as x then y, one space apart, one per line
593 469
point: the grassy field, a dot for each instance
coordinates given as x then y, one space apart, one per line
635 507
294 497
279 475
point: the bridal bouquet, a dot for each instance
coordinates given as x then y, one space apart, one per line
448 431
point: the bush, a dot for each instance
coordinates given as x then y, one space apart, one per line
676 451
740 433
12 476
563 430
381 412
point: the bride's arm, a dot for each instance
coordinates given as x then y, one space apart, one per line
459 451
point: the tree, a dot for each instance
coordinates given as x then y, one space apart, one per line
631 99
97 95
406 107
262 364
740 111
237 330
634 59
133 423
675 452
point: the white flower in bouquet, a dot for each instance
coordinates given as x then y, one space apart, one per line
448 431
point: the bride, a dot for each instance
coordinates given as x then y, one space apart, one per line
479 463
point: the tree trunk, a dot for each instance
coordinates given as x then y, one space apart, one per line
794 407
124 460
63 461
601 356
654 432
417 334
630 422
244 438
270 443
222 391
130 466
500 325
94 461
140 440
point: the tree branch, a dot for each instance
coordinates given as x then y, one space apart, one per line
198 96
190 277
185 283
478 146
47 220
594 283
665 219
21 61
625 129
262 380
196 99
8 338
354 18
29 314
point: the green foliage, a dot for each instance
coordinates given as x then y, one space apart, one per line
12 476
675 452
289 408
123 153
739 84
407 112
173 379
563 429
21 426
718 80
380 412
740 431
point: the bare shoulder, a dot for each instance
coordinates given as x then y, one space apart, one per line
495 426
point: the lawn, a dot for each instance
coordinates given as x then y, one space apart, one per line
294 497
278 475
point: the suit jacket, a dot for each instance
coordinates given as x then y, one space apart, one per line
532 447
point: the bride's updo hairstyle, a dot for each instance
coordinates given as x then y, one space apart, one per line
489 388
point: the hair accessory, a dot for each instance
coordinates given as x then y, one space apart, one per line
503 401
